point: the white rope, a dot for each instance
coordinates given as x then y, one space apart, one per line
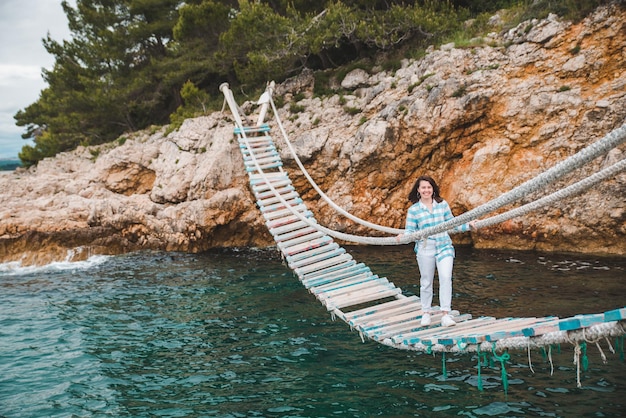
323 195
530 363
611 349
561 194
604 361
577 363
550 359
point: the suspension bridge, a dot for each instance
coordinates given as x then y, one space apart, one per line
373 305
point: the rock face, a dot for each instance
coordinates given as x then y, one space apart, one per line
480 120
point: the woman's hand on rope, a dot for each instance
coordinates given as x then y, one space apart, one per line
472 225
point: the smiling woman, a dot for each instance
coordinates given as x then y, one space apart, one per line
25 23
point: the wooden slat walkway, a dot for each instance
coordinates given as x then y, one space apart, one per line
373 305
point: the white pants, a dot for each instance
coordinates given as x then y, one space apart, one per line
427 262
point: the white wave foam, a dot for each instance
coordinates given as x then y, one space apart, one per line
15 268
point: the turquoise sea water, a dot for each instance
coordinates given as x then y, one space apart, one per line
234 334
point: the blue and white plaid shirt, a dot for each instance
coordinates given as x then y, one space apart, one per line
419 217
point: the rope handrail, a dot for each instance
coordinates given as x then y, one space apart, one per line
312 182
587 154
600 147
561 194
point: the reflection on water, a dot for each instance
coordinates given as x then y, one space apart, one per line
233 334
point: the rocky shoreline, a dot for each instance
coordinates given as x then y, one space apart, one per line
481 120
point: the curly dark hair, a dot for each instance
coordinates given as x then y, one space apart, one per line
414 195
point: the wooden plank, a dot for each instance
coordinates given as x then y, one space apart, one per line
277 206
542 326
285 244
259 180
306 245
281 190
312 281
269 161
252 129
615 315
408 326
259 147
381 315
390 321
481 335
443 335
311 277
268 193
286 220
318 255
313 254
265 188
260 155
278 214
413 338
359 294
324 264
512 331
453 335
378 309
256 141
364 298
264 167
580 321
290 196
292 203
373 281
291 227
345 282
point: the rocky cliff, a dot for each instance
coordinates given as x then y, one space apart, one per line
480 119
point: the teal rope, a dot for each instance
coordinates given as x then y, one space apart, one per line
443 365
481 357
503 358
585 360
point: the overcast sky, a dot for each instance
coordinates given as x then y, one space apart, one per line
23 25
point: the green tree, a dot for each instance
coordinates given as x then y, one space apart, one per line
196 36
133 63
105 80
195 102
248 45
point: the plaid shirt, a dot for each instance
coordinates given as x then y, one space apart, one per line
419 217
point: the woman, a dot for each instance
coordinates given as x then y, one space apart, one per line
435 251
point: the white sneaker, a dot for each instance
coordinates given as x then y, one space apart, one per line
447 321
426 319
